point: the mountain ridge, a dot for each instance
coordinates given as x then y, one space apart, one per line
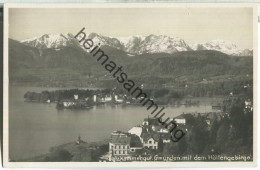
137 44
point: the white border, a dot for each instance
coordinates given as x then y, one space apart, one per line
254 6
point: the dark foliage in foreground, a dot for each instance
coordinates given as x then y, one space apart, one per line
230 135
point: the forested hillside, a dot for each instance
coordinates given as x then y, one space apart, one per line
71 66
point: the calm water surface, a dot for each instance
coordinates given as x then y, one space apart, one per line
35 127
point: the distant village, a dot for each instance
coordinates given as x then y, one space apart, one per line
99 99
80 99
86 99
96 99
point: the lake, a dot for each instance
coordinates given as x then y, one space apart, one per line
35 127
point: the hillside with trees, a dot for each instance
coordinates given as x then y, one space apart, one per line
72 67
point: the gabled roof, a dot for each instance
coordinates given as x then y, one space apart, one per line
120 139
136 130
150 135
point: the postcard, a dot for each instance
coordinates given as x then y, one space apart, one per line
130 85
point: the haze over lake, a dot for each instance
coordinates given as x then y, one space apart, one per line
32 123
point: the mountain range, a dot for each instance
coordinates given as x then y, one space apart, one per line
154 60
137 44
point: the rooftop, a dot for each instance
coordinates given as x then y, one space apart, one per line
152 121
120 139
136 130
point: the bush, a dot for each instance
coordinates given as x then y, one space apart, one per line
59 156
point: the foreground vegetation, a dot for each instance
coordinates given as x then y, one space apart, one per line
84 152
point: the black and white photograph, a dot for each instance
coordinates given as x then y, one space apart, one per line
130 85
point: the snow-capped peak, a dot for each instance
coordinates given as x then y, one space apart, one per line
137 44
163 43
126 40
106 41
218 45
51 41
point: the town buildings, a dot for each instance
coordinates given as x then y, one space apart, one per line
149 135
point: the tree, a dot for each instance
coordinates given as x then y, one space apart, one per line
222 134
237 119
213 131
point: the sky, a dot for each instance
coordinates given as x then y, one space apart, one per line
194 25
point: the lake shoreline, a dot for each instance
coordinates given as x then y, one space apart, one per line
65 125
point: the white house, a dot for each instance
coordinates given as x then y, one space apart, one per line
76 96
118 100
68 103
122 144
119 144
180 119
95 98
108 98
149 142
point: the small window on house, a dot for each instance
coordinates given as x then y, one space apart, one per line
132 150
150 141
